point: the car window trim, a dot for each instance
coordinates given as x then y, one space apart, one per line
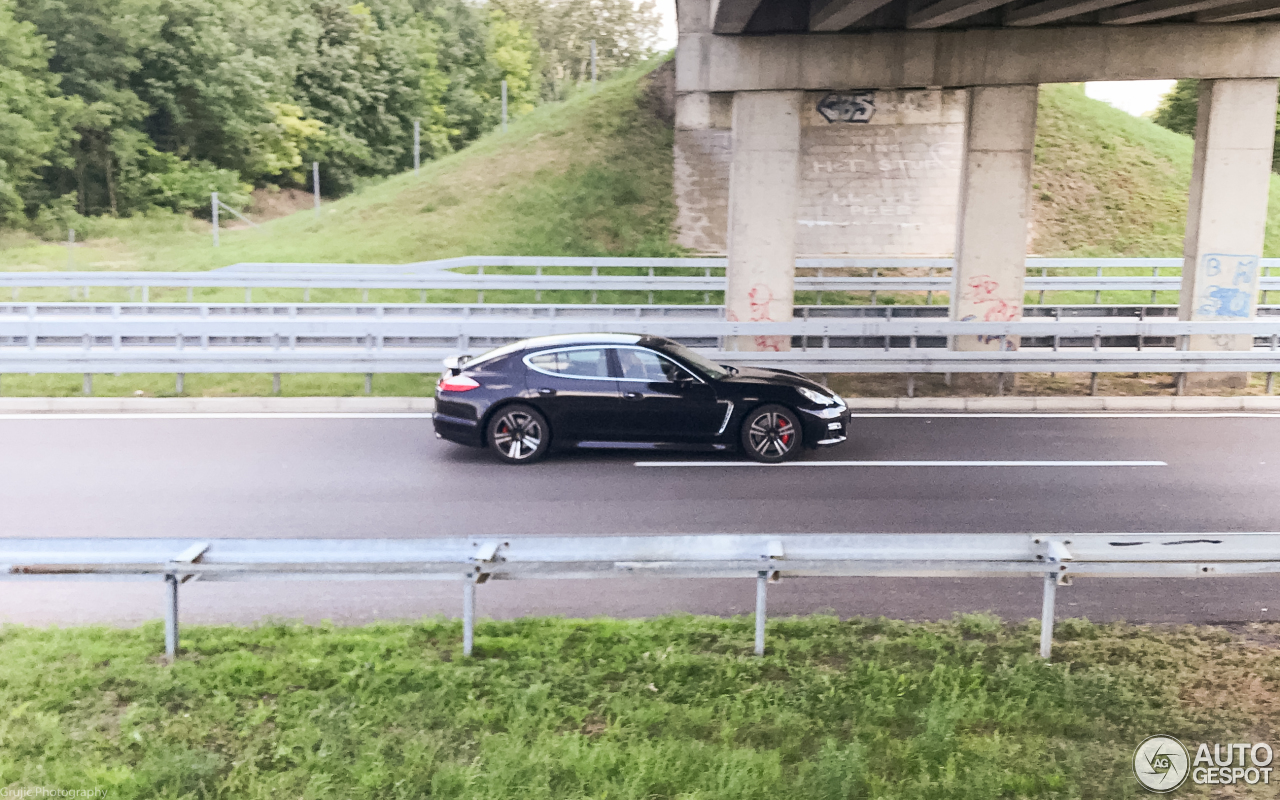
663 356
603 347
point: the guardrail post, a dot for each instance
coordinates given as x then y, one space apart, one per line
88 384
468 613
1046 613
275 383
179 384
762 593
368 383
171 617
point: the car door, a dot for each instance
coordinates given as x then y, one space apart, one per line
663 401
575 389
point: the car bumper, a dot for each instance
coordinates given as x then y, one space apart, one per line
825 432
457 430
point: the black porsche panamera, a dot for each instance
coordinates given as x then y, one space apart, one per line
629 391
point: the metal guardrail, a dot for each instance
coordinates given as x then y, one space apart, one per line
675 326
616 283
312 342
1053 557
435 275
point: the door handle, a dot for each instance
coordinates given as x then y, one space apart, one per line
632 396
546 392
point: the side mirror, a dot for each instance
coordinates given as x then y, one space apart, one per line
454 363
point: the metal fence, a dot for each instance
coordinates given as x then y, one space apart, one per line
644 275
294 342
1054 558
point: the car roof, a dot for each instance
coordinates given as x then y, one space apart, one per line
564 339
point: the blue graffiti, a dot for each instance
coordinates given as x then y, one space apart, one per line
1227 301
1245 271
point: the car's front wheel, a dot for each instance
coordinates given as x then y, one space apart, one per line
771 434
518 434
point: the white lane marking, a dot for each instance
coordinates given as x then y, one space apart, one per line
1067 414
126 415
904 464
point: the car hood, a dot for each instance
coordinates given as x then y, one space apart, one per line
775 377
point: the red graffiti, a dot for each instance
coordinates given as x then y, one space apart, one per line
760 297
981 291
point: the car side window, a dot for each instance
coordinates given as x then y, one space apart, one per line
589 363
643 365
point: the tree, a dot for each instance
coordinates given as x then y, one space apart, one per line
95 54
1177 112
34 117
625 33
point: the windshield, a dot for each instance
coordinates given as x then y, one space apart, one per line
703 364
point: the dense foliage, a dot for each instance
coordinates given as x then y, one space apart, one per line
132 105
1177 112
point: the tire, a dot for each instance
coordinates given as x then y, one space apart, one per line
771 434
518 434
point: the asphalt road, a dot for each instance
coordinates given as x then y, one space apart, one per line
203 476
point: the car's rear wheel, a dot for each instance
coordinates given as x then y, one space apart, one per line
771 434
519 434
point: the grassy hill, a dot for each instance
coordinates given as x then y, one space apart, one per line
592 176
1107 183
589 176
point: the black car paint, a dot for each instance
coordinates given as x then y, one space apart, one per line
617 412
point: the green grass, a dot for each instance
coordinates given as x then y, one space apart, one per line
664 708
217 385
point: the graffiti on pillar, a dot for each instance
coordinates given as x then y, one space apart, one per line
1229 283
760 297
848 106
981 290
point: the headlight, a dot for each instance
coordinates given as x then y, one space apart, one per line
817 397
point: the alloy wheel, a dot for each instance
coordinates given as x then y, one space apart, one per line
518 435
771 435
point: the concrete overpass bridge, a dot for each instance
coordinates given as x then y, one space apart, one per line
907 127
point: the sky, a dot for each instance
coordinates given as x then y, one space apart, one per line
1136 97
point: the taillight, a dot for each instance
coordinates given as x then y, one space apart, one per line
456 383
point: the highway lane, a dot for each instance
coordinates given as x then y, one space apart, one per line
374 477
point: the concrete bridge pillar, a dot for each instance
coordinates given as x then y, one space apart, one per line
991 234
763 189
1227 213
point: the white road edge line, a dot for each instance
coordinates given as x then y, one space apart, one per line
128 415
904 464
1066 414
